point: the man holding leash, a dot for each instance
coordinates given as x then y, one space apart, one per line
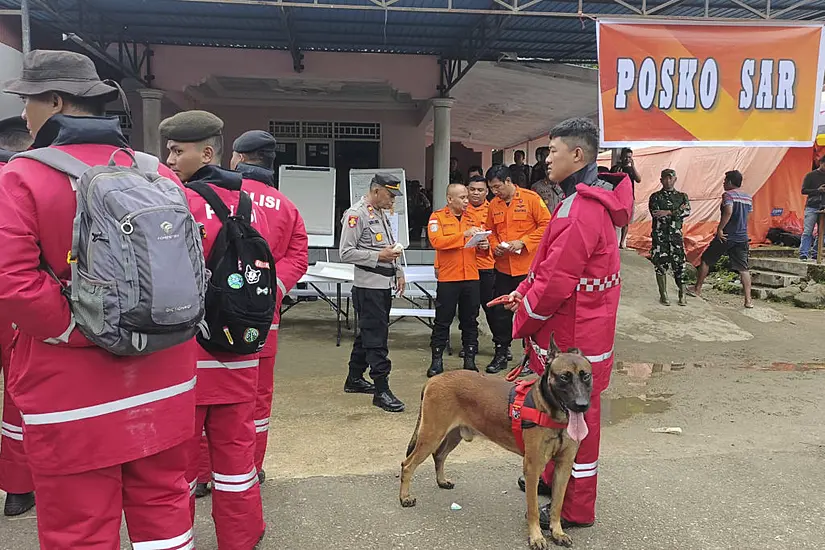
572 291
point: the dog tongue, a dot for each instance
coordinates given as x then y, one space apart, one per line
576 426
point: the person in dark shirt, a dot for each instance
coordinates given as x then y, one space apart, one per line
731 236
520 172
813 186
628 166
455 173
539 172
474 171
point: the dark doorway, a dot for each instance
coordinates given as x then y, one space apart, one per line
286 154
349 155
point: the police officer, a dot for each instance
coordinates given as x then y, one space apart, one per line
367 242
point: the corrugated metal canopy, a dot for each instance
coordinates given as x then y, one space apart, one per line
469 29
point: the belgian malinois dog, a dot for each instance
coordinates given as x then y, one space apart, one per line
461 404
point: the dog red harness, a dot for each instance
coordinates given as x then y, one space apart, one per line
525 415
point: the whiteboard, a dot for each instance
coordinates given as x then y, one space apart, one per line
312 189
359 185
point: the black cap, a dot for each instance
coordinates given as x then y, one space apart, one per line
668 172
389 182
191 126
13 124
253 141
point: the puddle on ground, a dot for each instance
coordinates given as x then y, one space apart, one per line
622 408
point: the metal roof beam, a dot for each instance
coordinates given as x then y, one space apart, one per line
469 50
294 49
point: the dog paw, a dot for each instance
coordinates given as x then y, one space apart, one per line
561 539
446 484
538 543
408 502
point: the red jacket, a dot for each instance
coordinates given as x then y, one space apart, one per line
573 287
223 378
83 408
288 237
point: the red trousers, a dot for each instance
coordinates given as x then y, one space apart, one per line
83 511
236 496
15 476
263 410
580 499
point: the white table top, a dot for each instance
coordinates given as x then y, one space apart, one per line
335 272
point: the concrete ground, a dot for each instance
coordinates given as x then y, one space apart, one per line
744 386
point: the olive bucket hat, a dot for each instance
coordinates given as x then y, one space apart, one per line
59 71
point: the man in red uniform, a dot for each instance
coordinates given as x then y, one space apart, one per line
572 291
103 434
227 383
253 155
15 477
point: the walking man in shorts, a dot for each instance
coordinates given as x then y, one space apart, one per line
731 236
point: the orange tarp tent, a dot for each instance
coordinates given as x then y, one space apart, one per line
772 175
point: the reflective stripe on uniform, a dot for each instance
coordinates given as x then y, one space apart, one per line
585 470
110 407
234 483
530 312
274 326
599 358
281 286
232 365
262 425
166 544
192 486
598 285
11 431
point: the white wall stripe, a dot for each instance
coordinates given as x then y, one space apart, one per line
11 435
165 544
227 488
232 365
12 427
110 407
235 478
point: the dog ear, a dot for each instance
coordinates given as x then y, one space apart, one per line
575 351
554 349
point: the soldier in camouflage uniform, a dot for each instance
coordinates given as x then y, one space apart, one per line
669 208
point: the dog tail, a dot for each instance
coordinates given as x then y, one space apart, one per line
414 438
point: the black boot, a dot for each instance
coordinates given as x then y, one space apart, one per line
544 489
261 477
17 504
384 398
470 358
437 363
499 362
544 520
461 354
201 490
358 385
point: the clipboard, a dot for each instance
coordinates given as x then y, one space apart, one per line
477 238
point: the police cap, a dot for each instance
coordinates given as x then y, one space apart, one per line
13 124
254 141
191 126
388 182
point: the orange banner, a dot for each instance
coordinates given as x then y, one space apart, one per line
704 84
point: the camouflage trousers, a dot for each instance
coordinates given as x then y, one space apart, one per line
668 252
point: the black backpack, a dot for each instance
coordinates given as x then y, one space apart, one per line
240 295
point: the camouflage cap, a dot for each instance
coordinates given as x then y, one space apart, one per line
388 182
191 126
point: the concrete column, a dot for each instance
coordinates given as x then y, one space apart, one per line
151 100
441 150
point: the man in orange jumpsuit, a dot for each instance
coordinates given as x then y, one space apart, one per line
450 229
517 218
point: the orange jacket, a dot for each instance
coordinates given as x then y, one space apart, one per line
524 219
446 232
485 261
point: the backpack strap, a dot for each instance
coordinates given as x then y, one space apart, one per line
245 207
211 198
57 159
147 163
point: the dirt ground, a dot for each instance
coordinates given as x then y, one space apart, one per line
744 386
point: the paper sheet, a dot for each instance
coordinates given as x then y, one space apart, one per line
477 238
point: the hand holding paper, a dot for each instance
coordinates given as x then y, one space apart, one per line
477 238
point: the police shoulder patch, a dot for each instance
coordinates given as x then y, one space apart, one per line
352 221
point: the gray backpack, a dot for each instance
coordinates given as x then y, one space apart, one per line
138 269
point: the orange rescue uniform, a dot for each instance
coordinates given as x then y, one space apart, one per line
446 232
524 219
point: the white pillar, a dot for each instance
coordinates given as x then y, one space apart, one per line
441 150
151 100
